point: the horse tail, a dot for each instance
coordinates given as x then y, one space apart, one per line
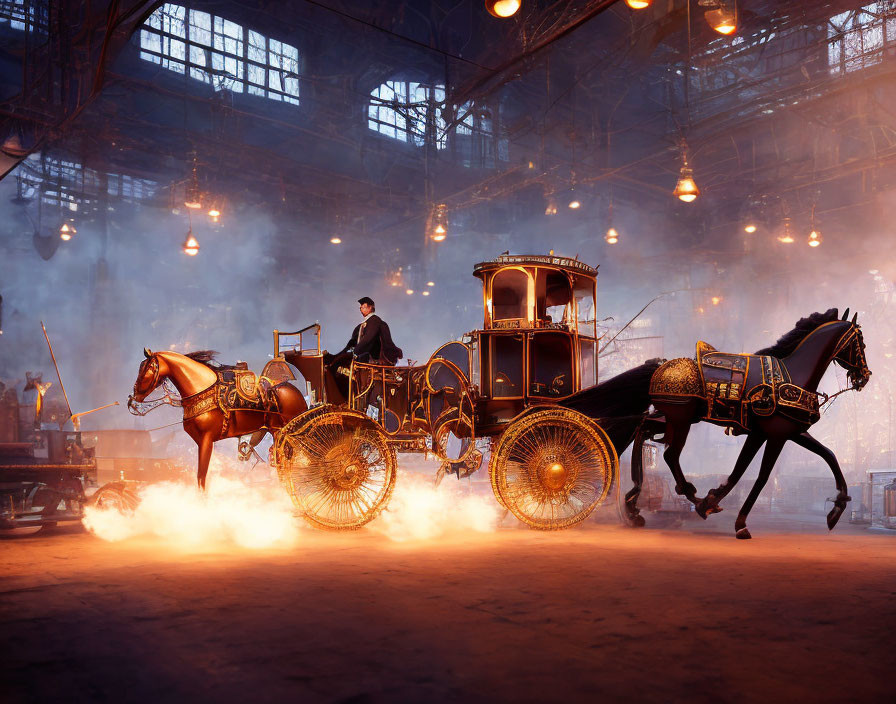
619 404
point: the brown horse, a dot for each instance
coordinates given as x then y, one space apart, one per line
205 420
795 365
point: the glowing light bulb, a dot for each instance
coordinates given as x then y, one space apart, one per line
786 236
814 239
425 293
440 224
335 240
66 232
430 283
638 4
502 8
723 20
612 237
716 300
750 228
409 291
191 245
686 188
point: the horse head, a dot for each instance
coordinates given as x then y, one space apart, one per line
149 376
850 354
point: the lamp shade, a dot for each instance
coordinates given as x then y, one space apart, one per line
686 188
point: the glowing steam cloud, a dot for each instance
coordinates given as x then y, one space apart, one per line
236 513
230 513
420 511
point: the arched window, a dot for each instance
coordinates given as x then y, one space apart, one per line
408 111
510 295
25 15
221 53
858 38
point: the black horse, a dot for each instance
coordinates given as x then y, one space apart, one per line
780 406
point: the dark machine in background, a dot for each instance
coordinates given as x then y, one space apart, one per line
48 475
45 475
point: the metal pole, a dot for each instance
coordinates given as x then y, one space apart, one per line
58 375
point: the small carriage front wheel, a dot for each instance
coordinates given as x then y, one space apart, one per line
338 468
552 468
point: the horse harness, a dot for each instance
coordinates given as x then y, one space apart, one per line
736 387
236 389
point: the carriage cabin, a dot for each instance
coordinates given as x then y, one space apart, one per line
538 343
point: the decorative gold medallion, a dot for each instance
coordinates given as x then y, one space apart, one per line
677 377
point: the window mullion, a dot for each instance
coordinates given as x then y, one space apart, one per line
267 67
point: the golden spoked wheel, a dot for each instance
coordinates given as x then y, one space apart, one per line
338 468
552 468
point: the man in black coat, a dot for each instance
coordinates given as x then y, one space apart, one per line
371 342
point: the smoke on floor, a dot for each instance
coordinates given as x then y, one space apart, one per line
421 511
239 511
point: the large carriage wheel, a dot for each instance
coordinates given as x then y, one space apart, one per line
117 496
337 466
552 468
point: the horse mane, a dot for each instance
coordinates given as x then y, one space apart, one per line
204 356
788 342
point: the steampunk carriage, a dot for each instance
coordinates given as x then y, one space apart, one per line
496 391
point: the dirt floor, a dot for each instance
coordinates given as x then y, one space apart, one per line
600 613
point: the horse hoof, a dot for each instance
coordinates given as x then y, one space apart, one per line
634 518
706 507
743 534
834 516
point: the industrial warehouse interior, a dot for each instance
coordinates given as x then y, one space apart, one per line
447 350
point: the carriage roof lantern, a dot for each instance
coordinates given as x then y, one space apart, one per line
566 263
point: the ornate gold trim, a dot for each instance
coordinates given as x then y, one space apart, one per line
552 467
200 403
677 378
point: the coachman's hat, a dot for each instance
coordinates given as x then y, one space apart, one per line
367 300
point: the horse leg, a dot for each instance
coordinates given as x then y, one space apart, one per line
710 503
206 443
769 457
678 425
807 441
632 513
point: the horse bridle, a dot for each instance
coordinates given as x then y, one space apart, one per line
850 354
153 364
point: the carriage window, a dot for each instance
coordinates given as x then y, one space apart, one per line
550 357
509 294
456 352
584 293
587 367
552 296
507 366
